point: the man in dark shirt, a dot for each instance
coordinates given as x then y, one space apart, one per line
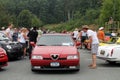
33 34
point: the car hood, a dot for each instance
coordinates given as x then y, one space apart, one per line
55 50
8 42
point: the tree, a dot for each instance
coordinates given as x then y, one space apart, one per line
110 9
36 22
4 17
24 18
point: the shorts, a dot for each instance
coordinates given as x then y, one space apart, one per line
74 38
94 48
24 45
83 38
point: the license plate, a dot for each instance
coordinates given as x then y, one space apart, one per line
102 52
55 64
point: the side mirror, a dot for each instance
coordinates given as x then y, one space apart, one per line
32 44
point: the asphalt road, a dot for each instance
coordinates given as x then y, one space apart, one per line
20 70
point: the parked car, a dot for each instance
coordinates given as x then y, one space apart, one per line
109 53
113 40
14 50
55 52
3 58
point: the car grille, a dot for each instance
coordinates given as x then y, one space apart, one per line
51 59
54 67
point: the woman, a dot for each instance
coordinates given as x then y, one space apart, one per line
22 39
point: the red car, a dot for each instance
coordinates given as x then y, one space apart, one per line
3 58
55 52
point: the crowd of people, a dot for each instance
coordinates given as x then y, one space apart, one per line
82 36
88 37
24 36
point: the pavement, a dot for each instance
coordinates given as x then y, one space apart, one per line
21 70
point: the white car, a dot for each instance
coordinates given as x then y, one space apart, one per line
110 53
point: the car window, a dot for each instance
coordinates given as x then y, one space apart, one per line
55 40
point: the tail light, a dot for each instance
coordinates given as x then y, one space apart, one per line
111 52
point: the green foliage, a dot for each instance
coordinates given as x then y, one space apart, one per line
24 18
68 14
109 9
36 22
27 19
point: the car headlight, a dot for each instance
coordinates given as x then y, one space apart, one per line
72 57
9 47
3 51
37 57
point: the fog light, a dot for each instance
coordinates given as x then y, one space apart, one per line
72 67
37 67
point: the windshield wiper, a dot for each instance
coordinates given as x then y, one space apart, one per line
56 45
41 45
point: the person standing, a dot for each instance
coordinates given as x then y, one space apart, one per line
75 34
8 31
33 34
101 34
15 35
22 40
83 37
93 40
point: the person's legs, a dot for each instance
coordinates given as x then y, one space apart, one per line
82 41
24 52
30 51
94 49
24 49
93 60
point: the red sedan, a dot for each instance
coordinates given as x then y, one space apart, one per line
3 58
55 52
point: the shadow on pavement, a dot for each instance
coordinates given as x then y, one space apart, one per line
2 69
114 65
56 72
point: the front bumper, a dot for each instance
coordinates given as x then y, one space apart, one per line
43 68
3 61
64 65
108 59
14 53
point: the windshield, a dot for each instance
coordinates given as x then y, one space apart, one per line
114 40
3 37
55 40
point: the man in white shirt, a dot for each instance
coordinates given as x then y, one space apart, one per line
93 40
8 31
75 34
